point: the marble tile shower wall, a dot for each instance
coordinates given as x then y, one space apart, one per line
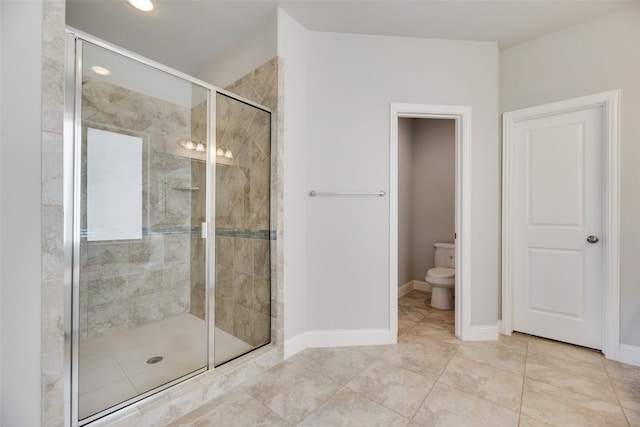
129 283
243 208
243 292
52 294
261 84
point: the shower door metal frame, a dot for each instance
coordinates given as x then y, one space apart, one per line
71 202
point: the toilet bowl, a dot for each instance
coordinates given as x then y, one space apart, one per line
442 277
442 281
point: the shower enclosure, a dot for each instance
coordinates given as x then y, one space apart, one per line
167 227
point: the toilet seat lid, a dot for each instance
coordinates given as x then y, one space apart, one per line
441 272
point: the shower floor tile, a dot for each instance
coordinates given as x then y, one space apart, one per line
114 368
94 401
227 347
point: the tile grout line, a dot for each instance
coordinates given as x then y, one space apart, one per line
319 371
490 366
342 386
573 391
319 405
524 378
412 418
392 409
578 392
377 403
126 374
615 391
479 397
269 409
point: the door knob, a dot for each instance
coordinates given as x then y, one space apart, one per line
592 239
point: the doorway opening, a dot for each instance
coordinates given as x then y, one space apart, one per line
457 231
426 208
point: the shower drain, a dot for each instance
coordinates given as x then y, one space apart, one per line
154 359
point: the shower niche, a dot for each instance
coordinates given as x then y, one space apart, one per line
167 228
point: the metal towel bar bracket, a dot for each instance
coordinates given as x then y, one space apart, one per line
314 193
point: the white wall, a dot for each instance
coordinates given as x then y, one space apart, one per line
256 48
352 79
405 199
434 189
20 135
596 56
292 48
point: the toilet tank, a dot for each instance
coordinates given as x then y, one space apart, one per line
444 255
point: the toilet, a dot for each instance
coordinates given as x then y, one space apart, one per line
442 277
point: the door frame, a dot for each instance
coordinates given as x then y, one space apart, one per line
462 117
609 102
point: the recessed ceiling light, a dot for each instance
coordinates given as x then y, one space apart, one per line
100 70
143 5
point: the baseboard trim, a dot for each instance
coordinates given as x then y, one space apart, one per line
295 345
421 286
405 289
483 333
338 338
414 284
629 354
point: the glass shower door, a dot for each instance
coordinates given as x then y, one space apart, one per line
140 261
243 232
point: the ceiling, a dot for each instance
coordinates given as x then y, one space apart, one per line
189 35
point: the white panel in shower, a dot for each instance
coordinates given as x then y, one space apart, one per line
114 186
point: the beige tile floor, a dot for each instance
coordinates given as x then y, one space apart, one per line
430 378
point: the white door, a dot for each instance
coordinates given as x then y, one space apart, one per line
557 168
